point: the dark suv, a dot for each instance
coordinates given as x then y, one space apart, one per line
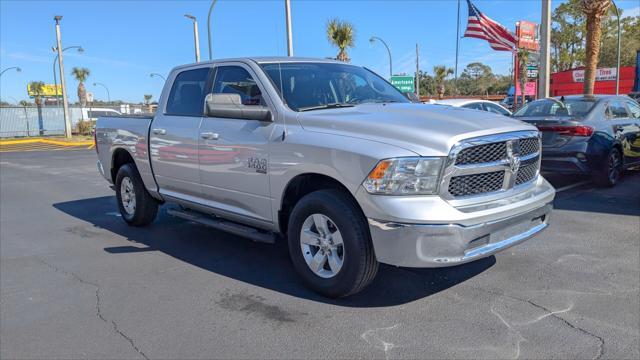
592 135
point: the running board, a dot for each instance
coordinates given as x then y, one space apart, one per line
225 225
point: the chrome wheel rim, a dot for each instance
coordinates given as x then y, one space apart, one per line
614 167
322 246
128 196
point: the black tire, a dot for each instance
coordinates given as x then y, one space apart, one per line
610 171
359 266
145 207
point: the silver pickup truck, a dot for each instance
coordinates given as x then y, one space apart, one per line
332 158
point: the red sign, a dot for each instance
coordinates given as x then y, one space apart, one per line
527 33
529 89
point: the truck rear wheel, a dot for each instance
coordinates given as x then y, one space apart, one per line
330 245
136 206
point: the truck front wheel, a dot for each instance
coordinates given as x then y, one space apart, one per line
136 206
330 245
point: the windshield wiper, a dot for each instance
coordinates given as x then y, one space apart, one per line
326 106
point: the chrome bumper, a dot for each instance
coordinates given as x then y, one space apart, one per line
438 245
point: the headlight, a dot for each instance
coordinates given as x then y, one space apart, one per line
404 176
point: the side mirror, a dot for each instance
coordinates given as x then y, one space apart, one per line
230 106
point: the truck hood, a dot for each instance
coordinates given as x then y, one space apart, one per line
427 130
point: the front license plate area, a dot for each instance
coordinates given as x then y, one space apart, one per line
513 230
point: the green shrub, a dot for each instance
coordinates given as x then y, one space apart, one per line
85 127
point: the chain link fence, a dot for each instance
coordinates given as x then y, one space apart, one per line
19 121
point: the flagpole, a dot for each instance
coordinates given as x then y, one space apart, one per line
455 76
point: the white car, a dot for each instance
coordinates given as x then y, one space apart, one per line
93 113
476 104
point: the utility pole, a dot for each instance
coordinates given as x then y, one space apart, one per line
455 76
196 39
618 58
65 102
213 2
287 10
417 72
544 72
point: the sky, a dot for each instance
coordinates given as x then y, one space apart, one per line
125 41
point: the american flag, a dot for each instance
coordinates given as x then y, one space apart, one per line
482 27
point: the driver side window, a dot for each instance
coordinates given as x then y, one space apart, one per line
237 80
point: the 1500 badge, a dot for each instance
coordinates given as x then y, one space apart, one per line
259 164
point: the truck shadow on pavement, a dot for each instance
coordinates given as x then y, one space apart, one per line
263 265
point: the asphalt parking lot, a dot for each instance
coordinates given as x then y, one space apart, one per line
76 282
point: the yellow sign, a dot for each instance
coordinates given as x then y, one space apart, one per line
47 90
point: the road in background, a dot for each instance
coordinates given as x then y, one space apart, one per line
76 282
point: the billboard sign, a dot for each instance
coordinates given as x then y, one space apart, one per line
529 89
47 90
527 33
404 83
603 74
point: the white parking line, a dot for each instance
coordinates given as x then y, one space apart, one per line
568 187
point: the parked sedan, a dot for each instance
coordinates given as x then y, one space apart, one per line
476 104
592 135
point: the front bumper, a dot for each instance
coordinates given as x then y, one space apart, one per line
470 234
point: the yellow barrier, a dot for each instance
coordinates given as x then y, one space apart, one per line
47 141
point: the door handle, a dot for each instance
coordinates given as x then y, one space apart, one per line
159 131
209 136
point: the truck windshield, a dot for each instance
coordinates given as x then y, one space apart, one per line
557 108
312 86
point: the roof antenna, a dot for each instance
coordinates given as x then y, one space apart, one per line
562 98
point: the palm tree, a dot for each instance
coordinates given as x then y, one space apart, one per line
81 74
594 10
341 34
147 101
440 72
523 60
37 88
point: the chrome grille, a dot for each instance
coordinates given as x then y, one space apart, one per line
476 184
527 172
482 154
490 164
529 146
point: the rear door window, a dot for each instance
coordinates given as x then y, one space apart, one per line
188 92
474 106
634 109
496 109
616 110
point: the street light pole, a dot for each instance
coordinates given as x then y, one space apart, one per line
213 2
9 68
287 10
372 40
65 103
158 75
545 50
196 39
106 88
55 60
618 50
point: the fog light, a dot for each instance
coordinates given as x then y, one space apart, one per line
581 157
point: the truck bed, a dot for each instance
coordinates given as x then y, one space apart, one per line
126 132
